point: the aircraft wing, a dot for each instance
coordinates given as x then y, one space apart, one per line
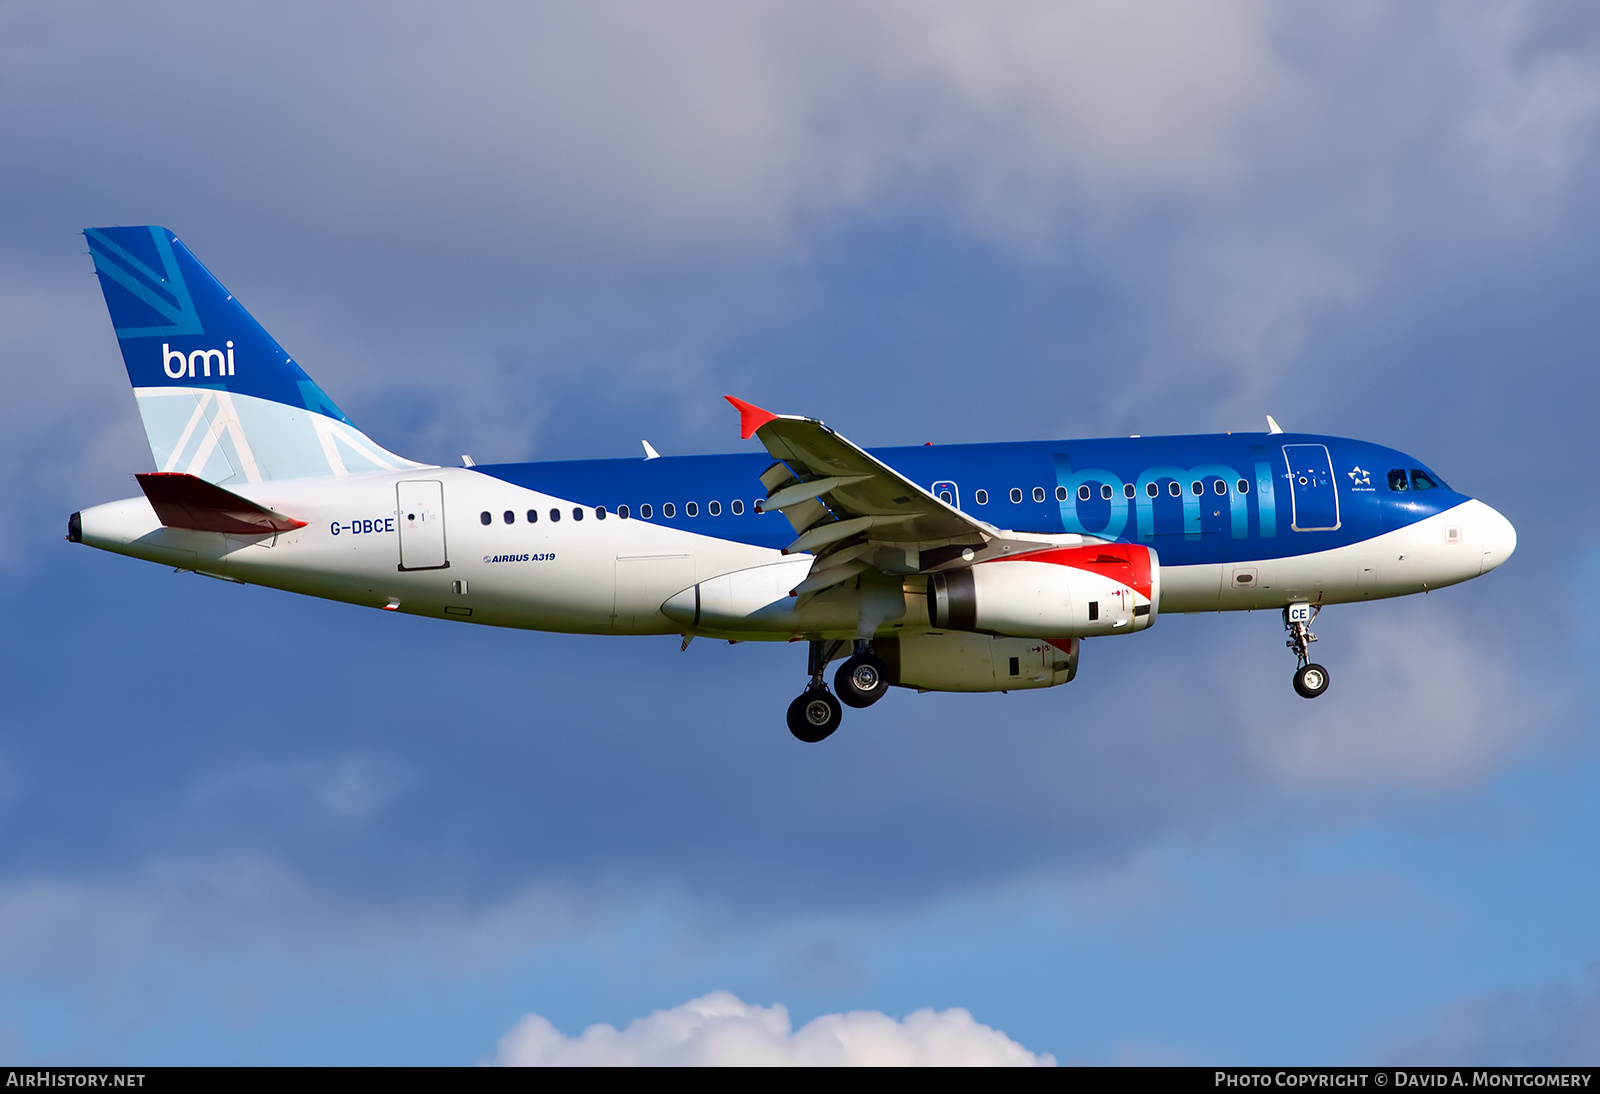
854 512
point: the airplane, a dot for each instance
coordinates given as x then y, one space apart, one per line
964 568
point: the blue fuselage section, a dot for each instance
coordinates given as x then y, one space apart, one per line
1199 499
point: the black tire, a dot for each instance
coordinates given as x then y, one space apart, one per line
814 715
1310 681
861 681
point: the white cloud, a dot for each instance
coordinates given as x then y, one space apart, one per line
1428 701
69 433
1233 174
692 128
1552 1025
721 1030
350 788
1537 101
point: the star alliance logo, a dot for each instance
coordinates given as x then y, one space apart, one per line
1359 477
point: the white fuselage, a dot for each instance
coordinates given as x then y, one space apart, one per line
613 576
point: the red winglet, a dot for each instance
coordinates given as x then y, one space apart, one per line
751 417
185 501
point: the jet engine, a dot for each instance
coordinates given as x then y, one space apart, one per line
1111 588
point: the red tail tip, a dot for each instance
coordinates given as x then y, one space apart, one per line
751 417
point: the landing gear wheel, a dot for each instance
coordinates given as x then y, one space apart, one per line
814 715
862 680
1310 681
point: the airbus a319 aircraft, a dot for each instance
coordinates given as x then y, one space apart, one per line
974 567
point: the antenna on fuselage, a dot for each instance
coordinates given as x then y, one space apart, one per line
1272 425
649 453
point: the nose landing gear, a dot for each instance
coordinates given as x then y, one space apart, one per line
1310 680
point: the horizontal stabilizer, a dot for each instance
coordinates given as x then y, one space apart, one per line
187 501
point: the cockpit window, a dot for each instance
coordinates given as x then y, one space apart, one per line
1419 481
1398 480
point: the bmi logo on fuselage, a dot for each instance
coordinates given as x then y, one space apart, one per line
200 359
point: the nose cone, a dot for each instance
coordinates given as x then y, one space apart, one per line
1490 532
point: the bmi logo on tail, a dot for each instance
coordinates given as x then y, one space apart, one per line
177 366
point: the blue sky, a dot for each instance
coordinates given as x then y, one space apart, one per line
246 827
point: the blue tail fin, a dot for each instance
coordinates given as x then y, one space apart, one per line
219 397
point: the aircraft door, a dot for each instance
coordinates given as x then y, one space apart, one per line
1315 497
421 519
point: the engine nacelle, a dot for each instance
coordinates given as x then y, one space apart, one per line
1112 588
954 661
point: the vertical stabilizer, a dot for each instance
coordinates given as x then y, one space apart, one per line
220 399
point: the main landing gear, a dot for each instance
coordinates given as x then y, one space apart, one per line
815 714
861 681
1310 680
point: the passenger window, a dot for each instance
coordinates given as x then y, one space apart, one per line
1243 486
1038 493
533 516
1151 489
714 508
510 517
981 497
1105 491
555 516
944 496
1061 493
1220 487
1419 481
485 517
577 514
1398 480
1016 496
1174 489
1198 487
1127 490
668 509
645 511
737 506
622 511
600 512
1083 493
691 510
